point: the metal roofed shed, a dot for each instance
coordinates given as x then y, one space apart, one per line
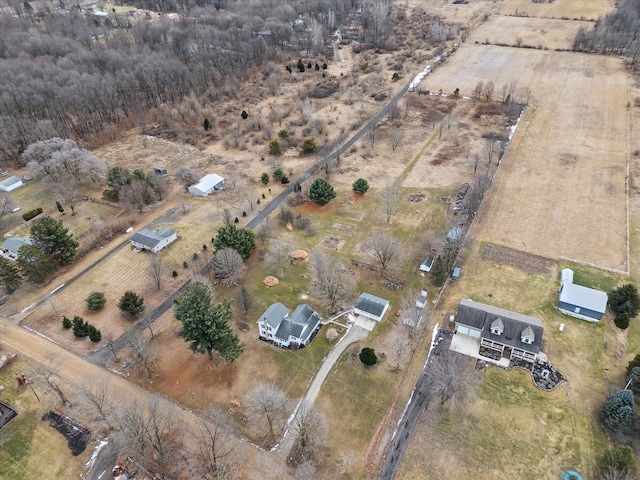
371 306
427 263
579 301
207 185
454 235
455 275
11 184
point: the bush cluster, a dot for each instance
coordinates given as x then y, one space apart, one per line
26 216
82 329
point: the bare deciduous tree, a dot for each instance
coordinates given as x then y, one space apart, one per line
308 110
251 197
47 375
67 188
263 232
489 148
451 377
110 342
137 194
372 134
305 470
159 184
153 433
477 194
139 343
226 216
267 407
97 394
332 277
399 352
391 196
309 428
215 458
228 266
489 91
186 175
386 249
395 138
278 255
156 270
6 205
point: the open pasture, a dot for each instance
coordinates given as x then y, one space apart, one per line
571 9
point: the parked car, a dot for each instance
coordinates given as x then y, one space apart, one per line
26 178
5 173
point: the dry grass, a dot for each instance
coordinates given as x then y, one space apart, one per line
591 10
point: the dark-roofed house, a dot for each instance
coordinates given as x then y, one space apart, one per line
289 331
10 184
578 301
427 263
502 333
154 240
371 306
11 247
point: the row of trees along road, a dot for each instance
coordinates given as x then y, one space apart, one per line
57 80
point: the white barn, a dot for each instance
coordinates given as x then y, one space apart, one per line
207 184
578 301
11 184
153 240
371 306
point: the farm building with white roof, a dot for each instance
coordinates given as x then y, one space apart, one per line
579 301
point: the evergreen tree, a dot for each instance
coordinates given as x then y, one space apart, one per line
368 356
244 115
633 379
96 300
360 186
207 125
275 148
131 303
95 335
278 173
321 192
66 323
50 236
80 327
264 178
34 265
622 321
309 145
439 271
116 179
617 411
242 240
9 275
625 299
206 326
633 363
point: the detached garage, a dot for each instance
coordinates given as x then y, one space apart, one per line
152 240
371 306
207 185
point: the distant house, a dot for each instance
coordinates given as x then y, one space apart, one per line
289 331
578 301
371 306
501 333
421 299
427 263
10 184
11 247
207 184
154 240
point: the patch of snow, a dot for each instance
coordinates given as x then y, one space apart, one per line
96 451
418 78
39 334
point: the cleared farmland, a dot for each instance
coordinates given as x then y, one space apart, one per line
589 10
570 149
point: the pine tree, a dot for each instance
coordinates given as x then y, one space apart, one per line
264 178
80 327
439 271
368 356
96 301
131 303
360 186
206 326
321 192
66 323
9 275
94 334
207 125
50 236
625 299
617 411
35 265
243 240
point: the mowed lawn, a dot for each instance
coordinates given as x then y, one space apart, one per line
510 428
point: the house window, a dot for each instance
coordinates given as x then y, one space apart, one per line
495 331
577 310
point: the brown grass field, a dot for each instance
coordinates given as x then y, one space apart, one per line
567 152
570 9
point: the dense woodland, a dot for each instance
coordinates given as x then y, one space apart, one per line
65 74
616 33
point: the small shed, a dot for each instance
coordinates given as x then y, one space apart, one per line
11 184
454 235
207 185
455 275
427 263
160 170
153 240
371 306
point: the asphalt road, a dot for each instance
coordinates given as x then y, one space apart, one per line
418 403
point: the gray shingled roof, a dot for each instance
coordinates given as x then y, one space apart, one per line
151 238
371 304
300 324
481 316
13 244
274 314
